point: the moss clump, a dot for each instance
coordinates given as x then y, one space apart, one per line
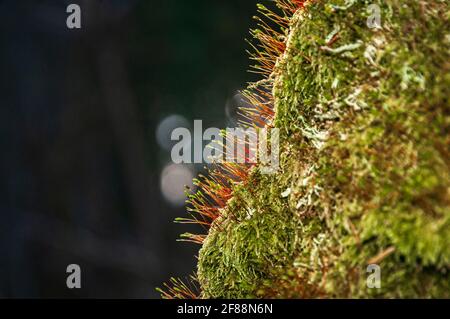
364 122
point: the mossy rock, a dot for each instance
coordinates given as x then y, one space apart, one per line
364 175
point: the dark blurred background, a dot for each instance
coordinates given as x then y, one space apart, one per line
85 121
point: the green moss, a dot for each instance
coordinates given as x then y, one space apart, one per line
365 164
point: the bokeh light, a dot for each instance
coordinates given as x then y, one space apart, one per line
165 128
174 179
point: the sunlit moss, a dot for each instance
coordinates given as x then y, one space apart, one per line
365 156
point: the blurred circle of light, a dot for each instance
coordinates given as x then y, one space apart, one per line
232 107
165 128
174 178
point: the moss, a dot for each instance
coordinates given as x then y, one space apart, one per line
364 175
